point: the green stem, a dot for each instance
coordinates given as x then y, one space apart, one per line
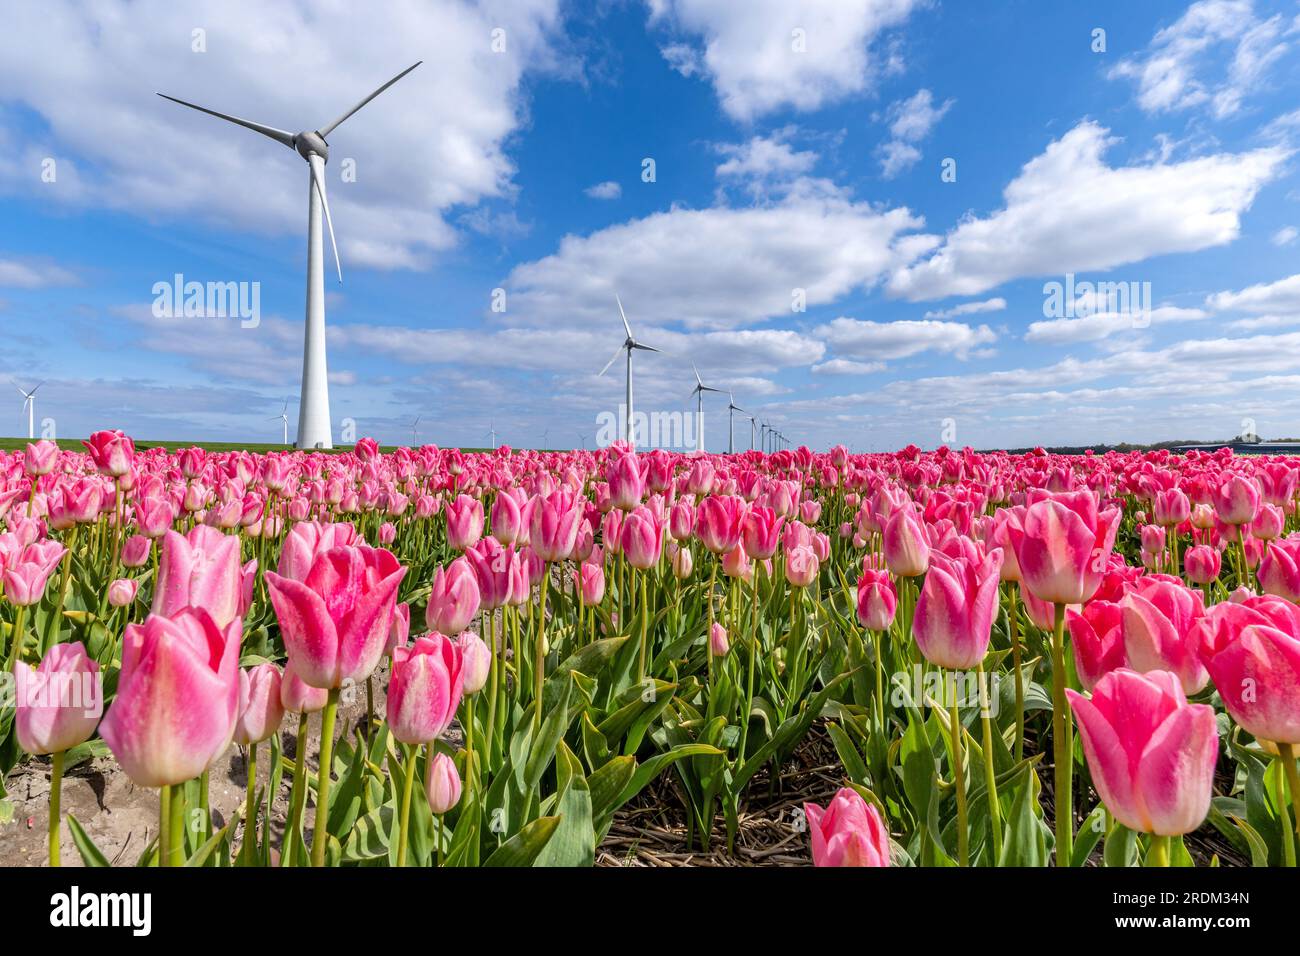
1287 754
1062 748
959 782
297 795
16 646
1013 619
412 754
250 808
203 805
990 777
56 790
164 824
320 830
176 827
645 615
539 658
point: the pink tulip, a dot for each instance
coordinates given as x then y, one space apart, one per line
1268 523
682 561
801 567
1151 753
681 521
154 516
27 572
1279 571
553 531
849 832
58 703
592 582
200 569
300 698
954 614
111 451
442 784
177 697
760 532
1063 546
877 600
1203 563
464 522
260 708
718 522
455 597
506 518
1252 650
400 629
476 659
735 564
136 551
335 622
40 458
1172 508
1236 500
641 539
121 592
718 642
1097 640
425 689
626 483
1157 622
907 549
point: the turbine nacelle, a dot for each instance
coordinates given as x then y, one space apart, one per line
311 142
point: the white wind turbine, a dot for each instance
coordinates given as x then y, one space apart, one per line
629 344
732 408
314 409
698 391
415 432
29 404
491 434
283 418
753 427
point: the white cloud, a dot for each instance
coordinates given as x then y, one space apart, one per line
33 275
910 121
1100 325
1067 211
433 142
1280 296
606 190
863 339
1171 74
996 304
1264 322
1285 236
764 161
755 59
719 267
847 367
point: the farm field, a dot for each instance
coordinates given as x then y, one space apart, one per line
432 657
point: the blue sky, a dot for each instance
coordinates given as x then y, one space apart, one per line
796 146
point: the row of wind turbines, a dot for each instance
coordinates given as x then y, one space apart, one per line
761 434
314 426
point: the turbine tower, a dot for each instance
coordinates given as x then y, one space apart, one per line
732 408
314 430
629 344
415 432
491 434
29 403
698 391
283 417
753 425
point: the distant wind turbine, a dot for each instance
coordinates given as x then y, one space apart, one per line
491 434
283 417
698 391
415 432
732 408
629 344
29 403
314 409
753 426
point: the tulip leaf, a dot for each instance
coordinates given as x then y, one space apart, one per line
607 785
90 854
1258 848
1025 843
1121 847
574 841
369 837
554 724
848 753
524 847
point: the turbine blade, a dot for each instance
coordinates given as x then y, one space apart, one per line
326 130
318 177
609 363
279 135
645 348
698 380
623 314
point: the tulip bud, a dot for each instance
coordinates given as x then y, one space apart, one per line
121 593
476 661
718 640
442 783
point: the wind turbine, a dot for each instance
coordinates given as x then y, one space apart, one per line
491 433
582 441
284 417
753 425
732 408
311 145
29 403
629 344
698 391
415 432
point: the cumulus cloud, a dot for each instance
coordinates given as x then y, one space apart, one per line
764 55
764 162
996 304
1285 236
910 121
846 367
1100 325
1173 73
606 190
1280 296
864 339
1068 211
433 142
15 274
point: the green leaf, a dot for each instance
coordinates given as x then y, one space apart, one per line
90 854
524 847
574 841
1121 847
1089 835
1025 844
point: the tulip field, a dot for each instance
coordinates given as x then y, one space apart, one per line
429 657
